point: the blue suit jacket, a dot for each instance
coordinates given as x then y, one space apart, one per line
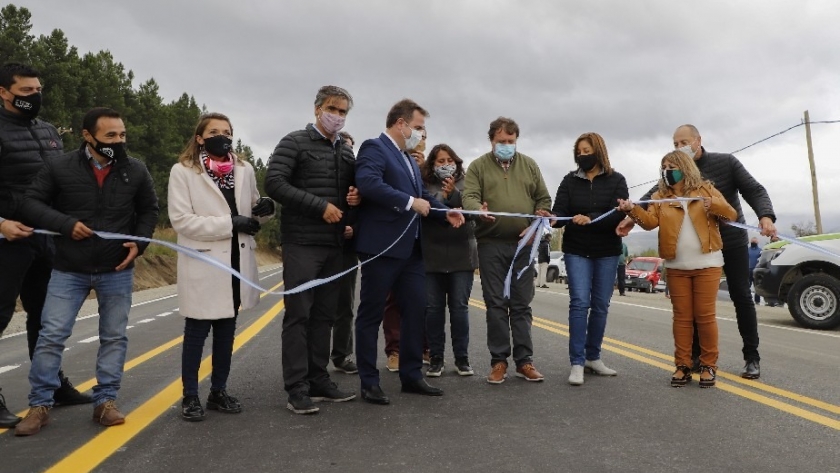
385 185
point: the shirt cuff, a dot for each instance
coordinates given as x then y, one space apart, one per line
410 203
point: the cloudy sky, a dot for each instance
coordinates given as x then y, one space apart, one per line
631 71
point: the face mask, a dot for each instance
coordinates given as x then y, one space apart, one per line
220 167
754 244
331 122
586 161
445 172
28 105
504 152
412 141
672 176
218 145
687 150
111 150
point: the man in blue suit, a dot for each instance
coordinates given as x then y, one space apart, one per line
393 195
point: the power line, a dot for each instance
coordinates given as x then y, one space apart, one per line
783 132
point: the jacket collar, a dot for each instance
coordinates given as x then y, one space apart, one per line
315 134
15 118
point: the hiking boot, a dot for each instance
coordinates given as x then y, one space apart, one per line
300 403
528 372
191 409
462 365
7 419
68 395
107 414
598 367
435 367
346 366
330 393
393 362
498 374
223 402
38 417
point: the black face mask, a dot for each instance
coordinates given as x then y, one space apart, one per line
754 245
28 105
219 145
111 150
672 176
586 161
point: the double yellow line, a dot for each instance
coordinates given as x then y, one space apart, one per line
651 357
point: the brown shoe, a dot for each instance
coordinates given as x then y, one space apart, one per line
394 362
38 417
498 374
107 414
528 372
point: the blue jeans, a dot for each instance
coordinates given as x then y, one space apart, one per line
590 288
452 289
65 295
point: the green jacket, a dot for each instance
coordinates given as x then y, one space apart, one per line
520 189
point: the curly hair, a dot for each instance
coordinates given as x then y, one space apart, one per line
692 179
597 142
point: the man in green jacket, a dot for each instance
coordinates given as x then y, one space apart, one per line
505 180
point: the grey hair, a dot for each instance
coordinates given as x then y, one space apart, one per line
328 91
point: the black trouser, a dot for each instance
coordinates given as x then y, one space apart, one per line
620 276
736 267
342 332
195 333
307 323
25 269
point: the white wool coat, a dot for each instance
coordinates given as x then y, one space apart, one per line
201 216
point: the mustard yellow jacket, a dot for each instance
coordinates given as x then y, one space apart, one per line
668 216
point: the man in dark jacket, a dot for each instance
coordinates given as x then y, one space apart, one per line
95 188
25 143
731 178
311 175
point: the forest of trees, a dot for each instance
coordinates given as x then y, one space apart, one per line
73 84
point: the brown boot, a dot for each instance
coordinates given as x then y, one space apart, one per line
107 414
498 374
38 417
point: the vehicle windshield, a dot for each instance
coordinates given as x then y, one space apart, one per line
642 265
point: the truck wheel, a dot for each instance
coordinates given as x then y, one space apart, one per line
814 301
551 275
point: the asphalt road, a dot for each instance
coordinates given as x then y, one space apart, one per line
790 421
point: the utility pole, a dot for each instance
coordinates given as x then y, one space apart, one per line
813 174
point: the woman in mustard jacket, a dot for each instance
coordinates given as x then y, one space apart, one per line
690 243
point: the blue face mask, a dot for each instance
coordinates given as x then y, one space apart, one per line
504 152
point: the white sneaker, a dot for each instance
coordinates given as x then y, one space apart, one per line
598 367
576 376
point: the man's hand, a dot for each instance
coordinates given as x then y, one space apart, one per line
768 228
81 231
332 214
348 232
533 237
13 230
624 227
486 218
581 220
455 218
353 197
421 206
132 253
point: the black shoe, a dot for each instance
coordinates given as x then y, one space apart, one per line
68 395
7 419
191 409
695 365
421 387
223 402
346 366
330 393
751 370
435 367
301 403
375 395
463 367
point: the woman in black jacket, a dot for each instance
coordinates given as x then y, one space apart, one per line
592 248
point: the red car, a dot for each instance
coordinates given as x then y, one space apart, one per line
643 273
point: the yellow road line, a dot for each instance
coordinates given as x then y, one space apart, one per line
562 329
94 452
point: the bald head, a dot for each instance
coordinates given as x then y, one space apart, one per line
687 139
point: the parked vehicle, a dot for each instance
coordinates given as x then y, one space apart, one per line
642 273
808 280
556 267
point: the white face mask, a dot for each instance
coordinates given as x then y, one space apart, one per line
687 150
412 141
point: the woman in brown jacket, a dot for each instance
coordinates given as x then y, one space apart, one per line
690 243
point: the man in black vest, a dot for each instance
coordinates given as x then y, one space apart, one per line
26 258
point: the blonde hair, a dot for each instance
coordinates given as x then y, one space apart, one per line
189 157
597 142
692 179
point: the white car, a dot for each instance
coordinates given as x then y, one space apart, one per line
556 268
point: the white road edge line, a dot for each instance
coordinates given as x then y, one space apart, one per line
90 340
6 369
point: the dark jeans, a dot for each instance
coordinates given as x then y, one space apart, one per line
342 332
309 317
512 317
452 290
195 333
736 267
25 269
620 277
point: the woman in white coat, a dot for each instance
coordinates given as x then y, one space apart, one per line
213 200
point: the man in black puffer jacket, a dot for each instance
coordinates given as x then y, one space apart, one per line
311 173
95 188
730 177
